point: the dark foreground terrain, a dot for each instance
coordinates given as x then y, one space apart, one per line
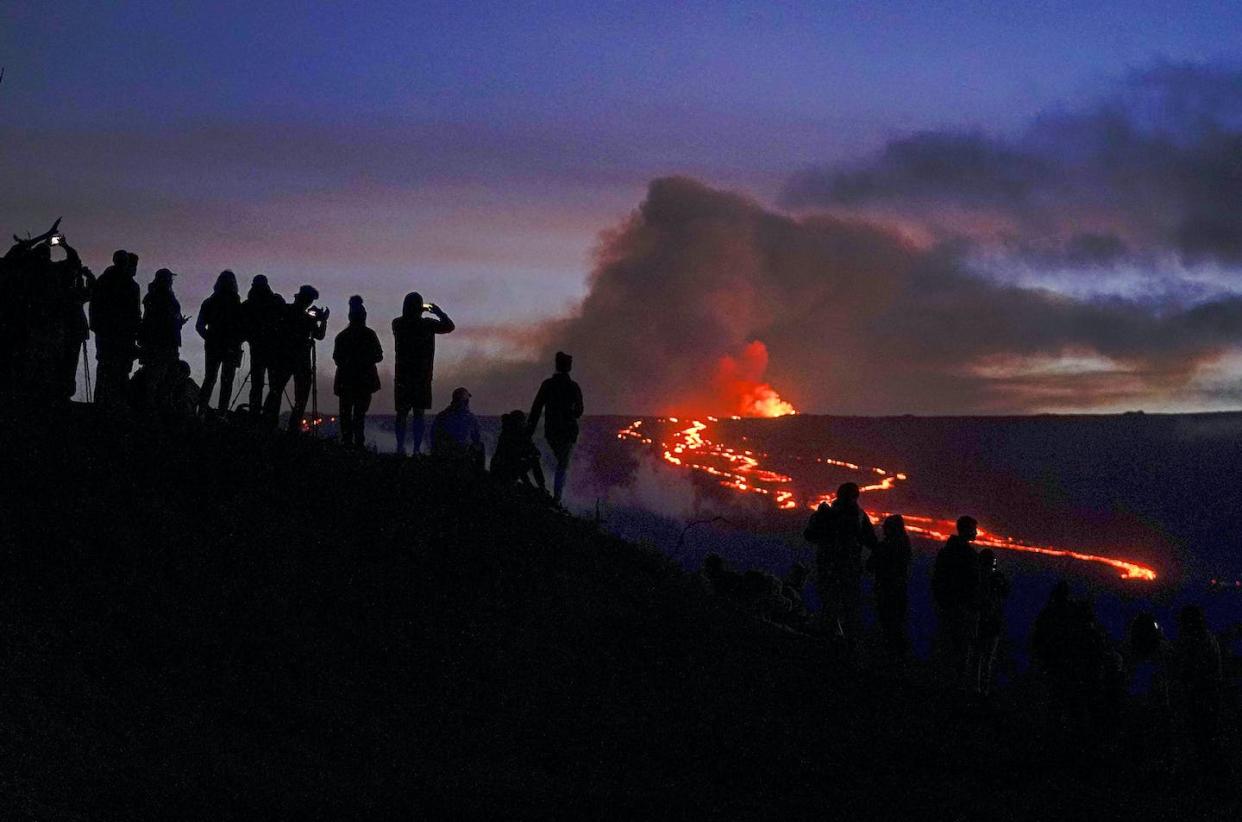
212 622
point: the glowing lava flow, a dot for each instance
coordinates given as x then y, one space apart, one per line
740 470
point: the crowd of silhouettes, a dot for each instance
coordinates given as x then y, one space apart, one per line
45 325
1085 675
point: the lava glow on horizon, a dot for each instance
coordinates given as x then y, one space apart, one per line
741 470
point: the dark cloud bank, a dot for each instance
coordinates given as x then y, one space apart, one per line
861 315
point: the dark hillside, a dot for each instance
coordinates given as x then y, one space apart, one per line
217 622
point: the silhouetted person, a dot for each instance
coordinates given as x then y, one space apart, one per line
221 327
73 284
516 458
1201 677
301 325
262 318
414 337
993 591
115 315
560 402
890 562
181 394
159 334
955 588
356 352
1151 657
1093 671
840 532
719 579
455 432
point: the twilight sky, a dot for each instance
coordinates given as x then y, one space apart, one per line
1043 189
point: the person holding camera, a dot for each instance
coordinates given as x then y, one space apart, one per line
220 326
303 324
415 339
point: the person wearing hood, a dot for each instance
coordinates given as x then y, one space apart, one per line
560 399
220 326
261 319
115 315
414 336
159 333
356 351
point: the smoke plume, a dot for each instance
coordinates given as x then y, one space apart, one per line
703 297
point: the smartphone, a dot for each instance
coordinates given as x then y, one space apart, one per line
428 306
56 239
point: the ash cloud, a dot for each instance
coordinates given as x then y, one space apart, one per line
1153 169
856 318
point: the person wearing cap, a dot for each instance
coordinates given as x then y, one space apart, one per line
356 351
414 336
262 313
455 432
561 399
159 333
302 325
115 315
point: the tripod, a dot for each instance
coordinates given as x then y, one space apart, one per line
86 371
315 420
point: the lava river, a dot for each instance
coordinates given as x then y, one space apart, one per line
696 447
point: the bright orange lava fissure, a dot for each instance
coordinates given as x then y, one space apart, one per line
742 470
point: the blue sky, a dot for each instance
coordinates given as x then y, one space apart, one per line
476 150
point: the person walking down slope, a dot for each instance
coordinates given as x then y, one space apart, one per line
455 432
560 399
356 351
890 562
221 326
955 588
262 313
159 335
115 315
414 337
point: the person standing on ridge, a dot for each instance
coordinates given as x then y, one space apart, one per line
955 588
890 562
415 339
561 399
159 334
356 351
115 315
261 319
302 324
220 326
840 531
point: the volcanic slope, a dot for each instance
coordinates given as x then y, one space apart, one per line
207 621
